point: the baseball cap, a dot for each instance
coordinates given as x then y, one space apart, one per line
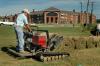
26 10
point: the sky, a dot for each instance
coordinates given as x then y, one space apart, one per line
8 7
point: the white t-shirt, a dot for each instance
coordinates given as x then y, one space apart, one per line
21 20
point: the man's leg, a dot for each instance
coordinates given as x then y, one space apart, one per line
20 36
17 48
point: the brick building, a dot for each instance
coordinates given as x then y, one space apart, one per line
53 15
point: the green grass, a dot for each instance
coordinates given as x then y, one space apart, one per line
7 36
67 31
84 57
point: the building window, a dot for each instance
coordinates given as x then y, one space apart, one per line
52 14
51 19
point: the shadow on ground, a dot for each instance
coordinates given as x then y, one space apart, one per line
15 55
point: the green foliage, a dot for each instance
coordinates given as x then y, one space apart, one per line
98 20
89 27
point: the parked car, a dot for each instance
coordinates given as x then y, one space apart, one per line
6 23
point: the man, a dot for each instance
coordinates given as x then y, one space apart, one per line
21 22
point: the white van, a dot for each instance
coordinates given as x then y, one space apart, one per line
6 23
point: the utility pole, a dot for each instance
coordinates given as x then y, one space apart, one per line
81 20
74 18
87 21
81 7
92 8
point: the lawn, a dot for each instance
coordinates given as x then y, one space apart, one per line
66 30
83 57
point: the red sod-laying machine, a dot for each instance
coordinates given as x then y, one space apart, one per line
41 45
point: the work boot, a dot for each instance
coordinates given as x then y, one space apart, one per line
22 51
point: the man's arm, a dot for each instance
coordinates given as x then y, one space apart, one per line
25 20
28 27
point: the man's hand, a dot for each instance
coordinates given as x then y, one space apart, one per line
28 28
